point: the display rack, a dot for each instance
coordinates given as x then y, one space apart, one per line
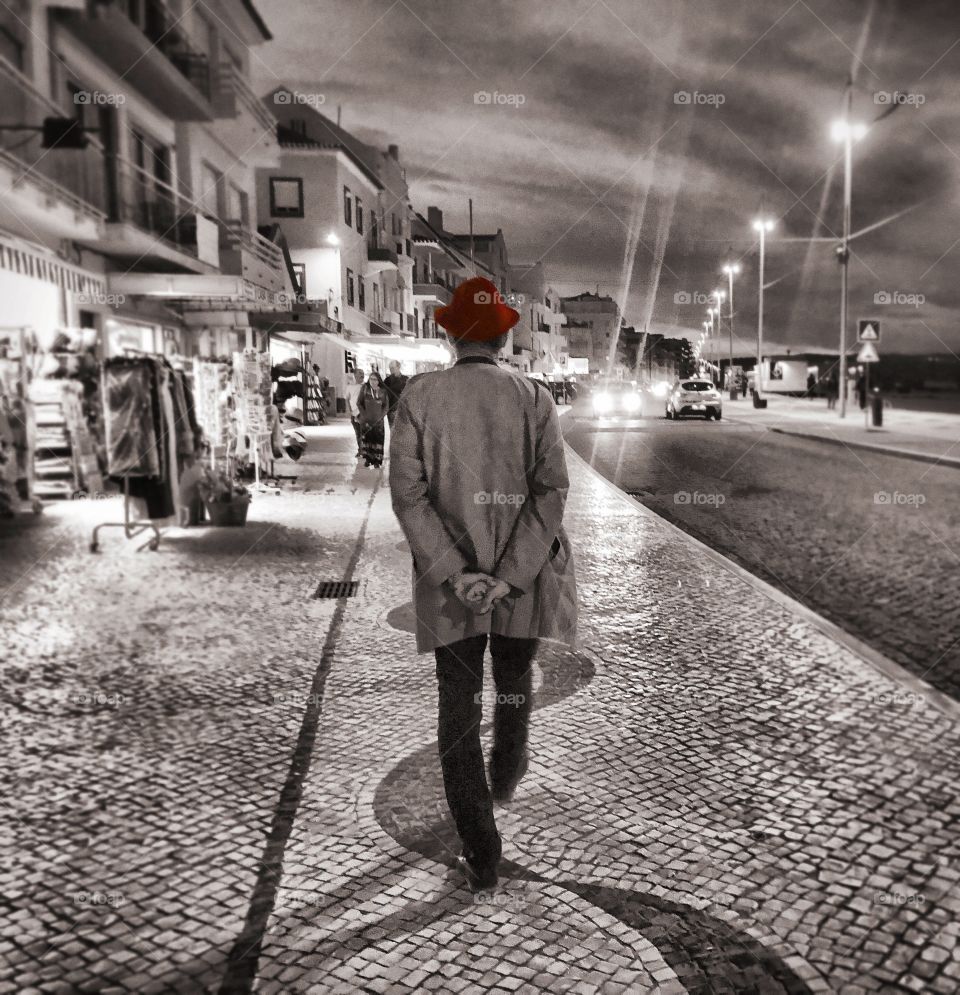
131 527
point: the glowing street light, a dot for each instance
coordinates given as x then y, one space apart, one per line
761 225
731 269
847 132
720 296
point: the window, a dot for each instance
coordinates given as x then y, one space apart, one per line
238 205
210 184
393 223
347 207
300 276
361 294
298 125
350 287
11 48
359 216
286 197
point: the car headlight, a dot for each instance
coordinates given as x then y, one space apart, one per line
631 402
661 388
602 402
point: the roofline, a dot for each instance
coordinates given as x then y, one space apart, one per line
257 19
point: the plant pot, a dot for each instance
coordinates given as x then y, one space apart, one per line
228 512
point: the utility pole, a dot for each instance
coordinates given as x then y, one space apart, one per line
844 252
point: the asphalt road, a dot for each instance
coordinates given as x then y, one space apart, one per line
870 541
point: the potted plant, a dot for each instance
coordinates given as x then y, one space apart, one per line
225 499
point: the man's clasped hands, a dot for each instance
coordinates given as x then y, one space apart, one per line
478 591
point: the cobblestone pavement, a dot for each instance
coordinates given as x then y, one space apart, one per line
866 539
718 800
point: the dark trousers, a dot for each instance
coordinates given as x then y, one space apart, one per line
460 682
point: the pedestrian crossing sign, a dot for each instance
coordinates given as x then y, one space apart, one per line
869 330
868 353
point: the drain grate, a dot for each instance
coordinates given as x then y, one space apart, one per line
640 494
336 589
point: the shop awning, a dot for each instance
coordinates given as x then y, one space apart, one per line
402 348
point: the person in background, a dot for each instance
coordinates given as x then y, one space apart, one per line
353 392
372 403
394 385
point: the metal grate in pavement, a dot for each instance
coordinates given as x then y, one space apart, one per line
336 589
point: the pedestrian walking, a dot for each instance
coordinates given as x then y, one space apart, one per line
479 481
862 390
372 404
394 384
353 392
832 391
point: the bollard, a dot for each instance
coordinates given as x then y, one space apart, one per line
876 403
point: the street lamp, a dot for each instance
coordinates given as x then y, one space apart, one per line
709 328
761 225
731 269
846 131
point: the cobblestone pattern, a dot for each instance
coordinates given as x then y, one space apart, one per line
695 817
806 517
149 703
810 829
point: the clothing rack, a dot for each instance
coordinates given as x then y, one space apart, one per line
131 527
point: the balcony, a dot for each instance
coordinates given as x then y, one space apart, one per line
58 192
431 292
379 259
256 259
146 44
151 225
244 123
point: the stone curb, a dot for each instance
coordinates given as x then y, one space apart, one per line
887 450
873 658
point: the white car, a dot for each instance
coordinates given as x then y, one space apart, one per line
694 396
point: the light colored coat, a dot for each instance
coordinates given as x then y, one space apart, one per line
479 481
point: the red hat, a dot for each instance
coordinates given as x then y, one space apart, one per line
477 312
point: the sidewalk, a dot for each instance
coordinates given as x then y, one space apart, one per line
721 798
928 436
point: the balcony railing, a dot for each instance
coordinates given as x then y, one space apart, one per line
155 206
166 33
235 237
76 176
233 95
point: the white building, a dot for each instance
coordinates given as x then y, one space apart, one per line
153 220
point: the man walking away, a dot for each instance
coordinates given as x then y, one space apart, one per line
479 481
353 394
394 383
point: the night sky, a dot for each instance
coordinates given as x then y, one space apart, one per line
588 136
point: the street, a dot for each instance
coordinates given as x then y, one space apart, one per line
866 539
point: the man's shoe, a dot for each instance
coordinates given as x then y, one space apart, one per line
477 880
502 789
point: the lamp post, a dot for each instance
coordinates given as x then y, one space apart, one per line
846 131
731 269
721 296
761 225
709 343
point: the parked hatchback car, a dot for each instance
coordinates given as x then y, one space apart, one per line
694 396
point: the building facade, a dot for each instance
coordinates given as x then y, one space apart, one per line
593 322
